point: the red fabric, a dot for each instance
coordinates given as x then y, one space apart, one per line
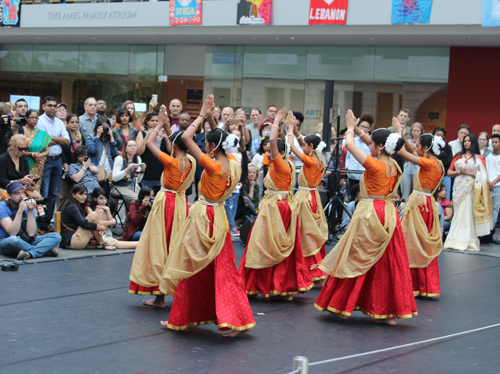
425 281
291 276
316 274
214 295
133 219
169 219
382 292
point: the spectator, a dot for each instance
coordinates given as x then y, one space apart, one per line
138 214
14 165
351 206
493 170
483 140
250 197
227 116
52 171
259 156
456 145
101 203
101 110
89 118
404 119
82 171
253 127
175 108
7 129
128 171
242 116
264 129
130 106
272 110
410 168
102 146
399 203
445 157
125 131
62 112
446 205
184 121
21 108
38 142
300 119
217 115
18 228
12 107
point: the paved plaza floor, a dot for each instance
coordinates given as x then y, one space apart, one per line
74 315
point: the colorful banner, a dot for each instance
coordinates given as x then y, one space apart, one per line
10 13
254 12
411 11
328 12
185 12
491 13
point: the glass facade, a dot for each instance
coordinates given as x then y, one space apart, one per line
375 79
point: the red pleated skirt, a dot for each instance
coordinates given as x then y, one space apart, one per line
316 274
135 288
382 292
425 281
289 277
214 295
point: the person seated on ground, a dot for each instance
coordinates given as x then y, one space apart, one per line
82 171
78 227
138 213
351 207
399 203
128 171
18 236
447 206
249 199
14 165
100 203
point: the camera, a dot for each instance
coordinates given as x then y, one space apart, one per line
105 132
86 159
21 121
151 199
105 129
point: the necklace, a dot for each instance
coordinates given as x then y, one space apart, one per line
468 158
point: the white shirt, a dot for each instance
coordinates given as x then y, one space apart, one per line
493 167
119 172
257 160
53 127
298 164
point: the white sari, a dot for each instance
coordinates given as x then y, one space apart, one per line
465 227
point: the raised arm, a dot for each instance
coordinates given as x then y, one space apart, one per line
275 132
151 138
290 127
362 135
351 146
205 112
407 152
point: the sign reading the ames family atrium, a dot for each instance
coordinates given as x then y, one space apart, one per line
254 12
185 12
328 12
10 12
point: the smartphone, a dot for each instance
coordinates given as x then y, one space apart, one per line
154 97
86 158
142 163
36 180
234 121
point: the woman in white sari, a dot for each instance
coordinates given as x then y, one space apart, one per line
471 198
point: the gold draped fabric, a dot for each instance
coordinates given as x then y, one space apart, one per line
270 243
423 246
482 205
194 247
313 226
366 238
152 249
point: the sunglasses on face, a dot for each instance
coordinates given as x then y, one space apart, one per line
22 149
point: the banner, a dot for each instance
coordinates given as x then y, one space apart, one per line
328 12
254 12
411 11
491 13
185 12
10 13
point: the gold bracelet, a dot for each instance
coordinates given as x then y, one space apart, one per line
299 137
196 127
276 126
350 131
157 131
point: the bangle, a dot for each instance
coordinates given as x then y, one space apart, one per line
362 133
196 127
349 131
276 126
299 137
290 134
157 131
199 115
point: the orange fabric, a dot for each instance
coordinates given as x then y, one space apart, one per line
231 157
376 179
172 177
312 170
452 166
280 173
265 160
429 173
213 184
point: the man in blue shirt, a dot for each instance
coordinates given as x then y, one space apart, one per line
18 224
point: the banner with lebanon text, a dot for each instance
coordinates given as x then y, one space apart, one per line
10 13
411 11
254 12
185 12
328 12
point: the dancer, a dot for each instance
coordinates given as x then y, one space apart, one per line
201 267
421 227
273 262
368 268
312 221
167 215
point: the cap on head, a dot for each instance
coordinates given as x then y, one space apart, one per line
14 186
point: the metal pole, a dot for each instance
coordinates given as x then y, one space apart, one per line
327 106
301 363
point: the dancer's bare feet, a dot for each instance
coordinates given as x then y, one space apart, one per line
165 324
342 316
158 302
234 334
386 321
288 298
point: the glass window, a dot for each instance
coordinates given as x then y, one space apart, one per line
104 59
55 58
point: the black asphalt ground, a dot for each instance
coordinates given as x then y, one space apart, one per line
74 315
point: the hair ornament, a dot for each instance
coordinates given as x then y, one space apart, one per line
288 150
319 149
230 145
437 144
391 143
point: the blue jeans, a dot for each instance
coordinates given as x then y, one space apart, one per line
42 244
231 208
495 197
407 179
447 184
136 236
52 173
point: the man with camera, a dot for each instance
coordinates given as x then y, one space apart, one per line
18 227
9 126
89 118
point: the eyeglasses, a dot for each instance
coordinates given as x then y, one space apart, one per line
22 106
50 105
62 111
132 145
33 118
22 149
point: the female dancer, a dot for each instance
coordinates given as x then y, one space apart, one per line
471 198
421 227
167 215
201 267
368 268
273 263
313 226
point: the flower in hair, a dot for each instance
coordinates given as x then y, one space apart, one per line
437 144
319 149
230 145
391 143
288 150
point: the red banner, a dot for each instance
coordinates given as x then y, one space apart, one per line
328 12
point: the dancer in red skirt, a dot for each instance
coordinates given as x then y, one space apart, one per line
368 268
202 268
420 223
167 215
312 221
273 262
